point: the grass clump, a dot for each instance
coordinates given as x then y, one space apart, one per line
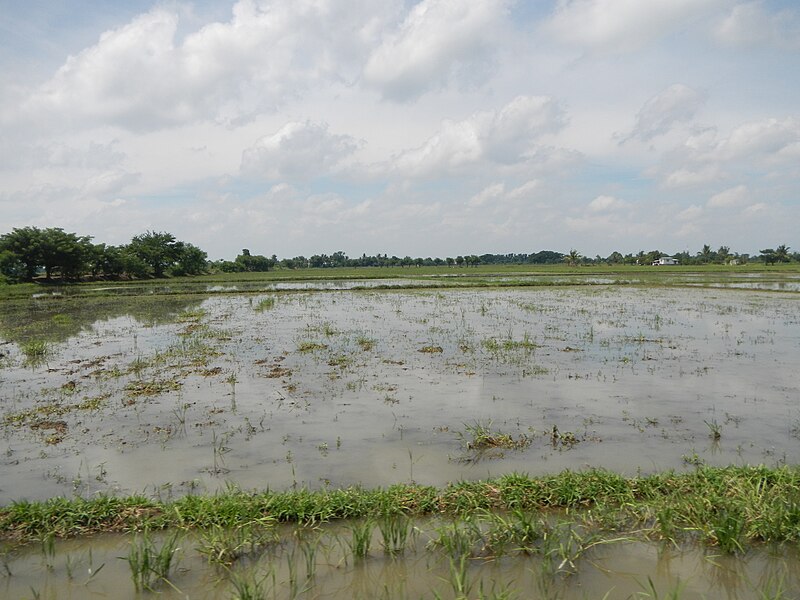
305 347
479 436
431 349
35 351
267 303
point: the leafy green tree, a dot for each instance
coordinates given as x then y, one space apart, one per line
12 269
782 253
66 252
192 260
158 250
52 249
254 263
25 244
768 256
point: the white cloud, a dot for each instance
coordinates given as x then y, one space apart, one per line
691 213
298 151
606 204
436 38
507 136
622 25
751 24
486 194
676 104
760 140
141 76
755 145
691 177
526 190
758 207
734 196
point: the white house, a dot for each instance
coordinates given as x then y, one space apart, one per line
665 260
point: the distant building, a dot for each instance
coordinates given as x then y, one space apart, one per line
665 260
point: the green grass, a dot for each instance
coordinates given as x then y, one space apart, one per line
727 508
480 436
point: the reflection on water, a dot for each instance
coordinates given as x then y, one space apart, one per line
56 318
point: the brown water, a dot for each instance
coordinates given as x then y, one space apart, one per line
333 389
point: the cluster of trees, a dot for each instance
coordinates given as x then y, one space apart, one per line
27 252
706 256
246 263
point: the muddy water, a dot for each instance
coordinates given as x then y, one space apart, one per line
317 563
373 388
171 396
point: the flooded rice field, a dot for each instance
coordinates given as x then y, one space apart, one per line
176 395
373 388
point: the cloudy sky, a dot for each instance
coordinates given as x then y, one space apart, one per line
429 128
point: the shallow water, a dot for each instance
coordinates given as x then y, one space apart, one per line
97 567
334 388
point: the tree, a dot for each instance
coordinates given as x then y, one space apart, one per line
24 243
782 253
66 252
51 249
572 257
192 261
253 262
12 268
158 250
768 256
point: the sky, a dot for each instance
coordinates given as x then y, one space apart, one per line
431 128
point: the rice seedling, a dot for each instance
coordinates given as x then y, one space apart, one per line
650 591
361 538
249 586
460 538
225 545
714 429
267 303
366 344
395 528
48 548
148 564
521 530
35 351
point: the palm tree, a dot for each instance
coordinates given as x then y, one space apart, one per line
572 257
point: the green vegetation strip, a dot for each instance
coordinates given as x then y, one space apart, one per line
719 506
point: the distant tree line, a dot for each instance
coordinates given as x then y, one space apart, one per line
29 252
706 256
340 259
